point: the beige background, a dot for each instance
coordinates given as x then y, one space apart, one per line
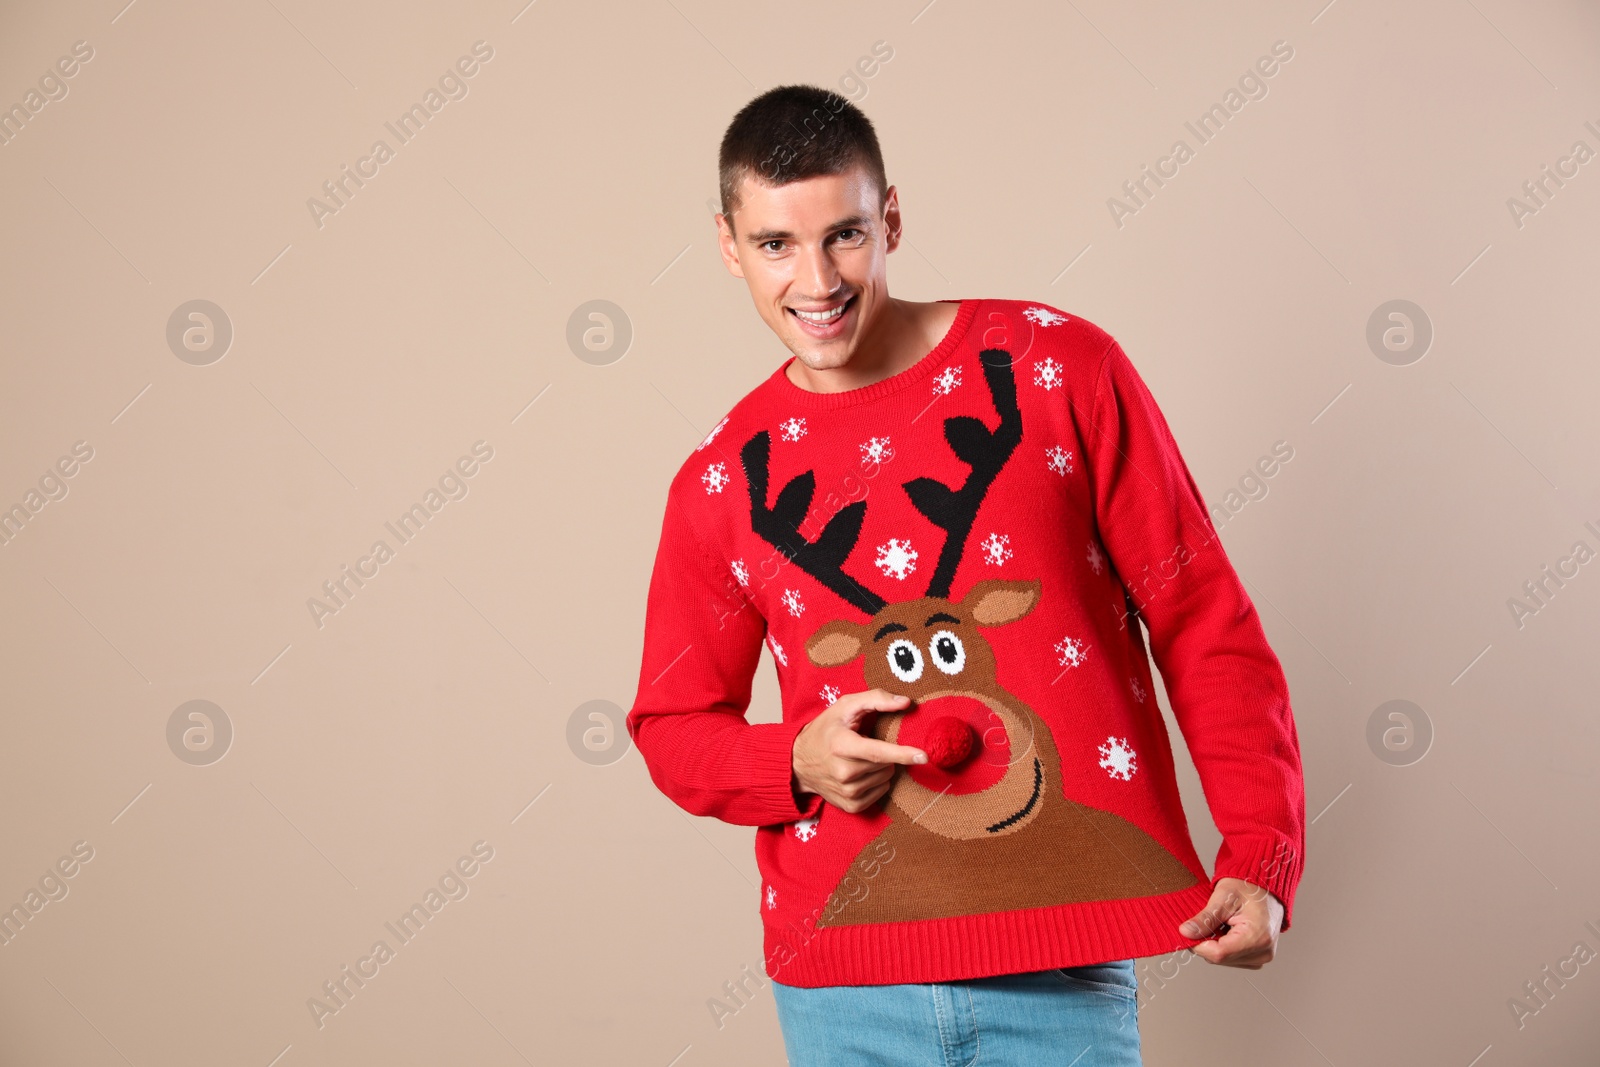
432 310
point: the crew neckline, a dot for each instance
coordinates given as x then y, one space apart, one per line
966 310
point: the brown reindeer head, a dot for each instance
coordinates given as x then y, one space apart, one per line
931 651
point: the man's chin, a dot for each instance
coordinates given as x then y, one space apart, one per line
825 361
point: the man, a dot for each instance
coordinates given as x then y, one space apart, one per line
946 521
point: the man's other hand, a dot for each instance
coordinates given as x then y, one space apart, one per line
1253 916
849 770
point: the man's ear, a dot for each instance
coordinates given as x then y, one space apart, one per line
892 224
728 244
836 643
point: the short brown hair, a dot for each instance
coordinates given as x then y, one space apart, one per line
795 132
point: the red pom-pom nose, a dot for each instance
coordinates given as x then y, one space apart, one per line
949 742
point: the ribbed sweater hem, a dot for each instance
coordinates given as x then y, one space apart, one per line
977 946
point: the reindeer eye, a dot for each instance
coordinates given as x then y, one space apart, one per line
949 655
905 659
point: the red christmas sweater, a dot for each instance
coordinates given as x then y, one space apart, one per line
982 532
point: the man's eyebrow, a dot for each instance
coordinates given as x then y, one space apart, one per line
763 236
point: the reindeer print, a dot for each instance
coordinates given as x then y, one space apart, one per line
987 825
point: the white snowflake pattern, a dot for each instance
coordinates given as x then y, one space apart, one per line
1118 759
945 382
1072 651
1044 316
877 450
1138 690
715 479
806 829
714 431
792 602
741 573
996 548
777 651
896 558
1059 460
1047 373
829 694
772 897
1096 560
792 429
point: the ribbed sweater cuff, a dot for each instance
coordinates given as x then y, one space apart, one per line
771 768
1273 863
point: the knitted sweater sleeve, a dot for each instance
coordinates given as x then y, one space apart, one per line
1227 689
702 643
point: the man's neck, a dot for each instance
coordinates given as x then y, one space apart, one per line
904 333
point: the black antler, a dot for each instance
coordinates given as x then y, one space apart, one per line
982 449
780 526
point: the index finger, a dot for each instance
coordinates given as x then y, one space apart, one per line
855 746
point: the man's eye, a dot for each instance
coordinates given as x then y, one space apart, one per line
843 232
768 245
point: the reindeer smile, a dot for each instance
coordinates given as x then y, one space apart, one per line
1038 784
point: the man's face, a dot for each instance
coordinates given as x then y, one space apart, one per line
815 245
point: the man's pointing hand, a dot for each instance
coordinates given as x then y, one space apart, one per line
849 770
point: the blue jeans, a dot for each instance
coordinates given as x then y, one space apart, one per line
1070 1016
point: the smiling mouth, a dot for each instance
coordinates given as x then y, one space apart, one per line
1038 784
833 314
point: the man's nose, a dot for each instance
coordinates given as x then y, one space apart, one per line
818 276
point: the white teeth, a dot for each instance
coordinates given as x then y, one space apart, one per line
821 316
